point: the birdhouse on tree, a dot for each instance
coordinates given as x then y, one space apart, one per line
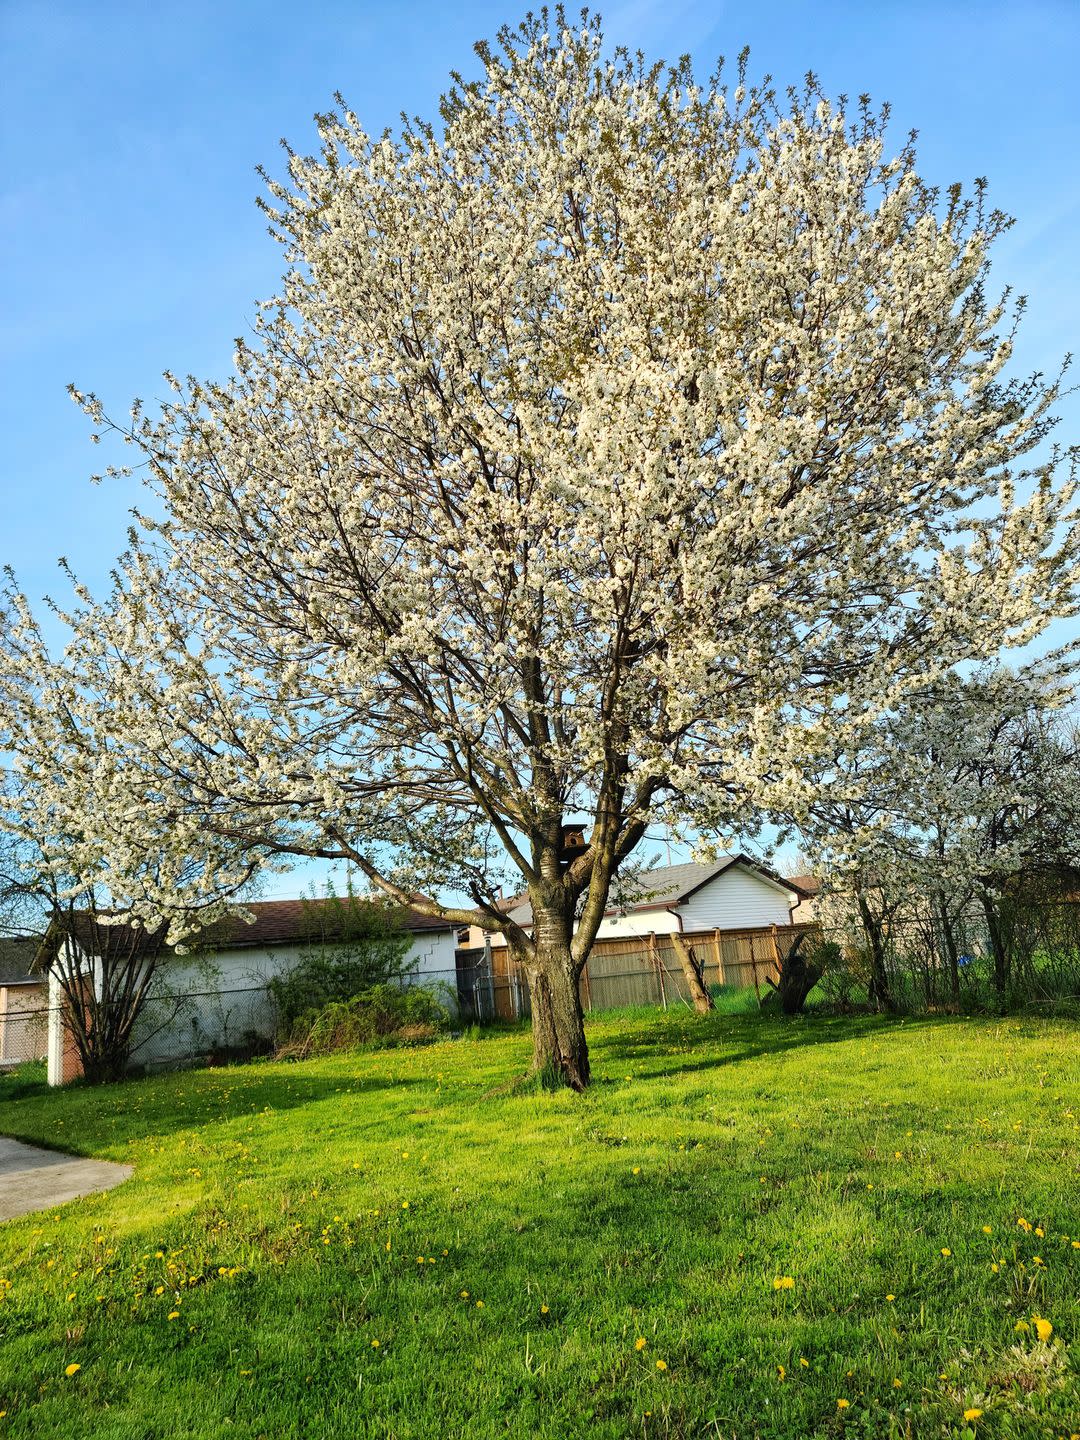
572 843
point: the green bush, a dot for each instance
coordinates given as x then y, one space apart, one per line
383 1014
356 945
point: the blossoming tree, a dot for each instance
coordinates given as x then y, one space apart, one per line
964 800
611 447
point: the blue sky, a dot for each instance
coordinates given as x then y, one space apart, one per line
130 133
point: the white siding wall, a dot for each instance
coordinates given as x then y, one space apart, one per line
226 996
738 899
637 922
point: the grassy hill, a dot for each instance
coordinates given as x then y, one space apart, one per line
747 1228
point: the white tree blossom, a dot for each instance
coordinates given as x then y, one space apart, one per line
618 447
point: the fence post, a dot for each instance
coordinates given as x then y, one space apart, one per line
654 955
719 957
753 971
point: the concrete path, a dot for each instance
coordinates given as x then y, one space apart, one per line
33 1179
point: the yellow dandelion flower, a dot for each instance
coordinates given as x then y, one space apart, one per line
890 1298
661 1364
972 1414
804 1362
842 1404
72 1369
636 1170
464 1294
781 1372
374 1344
995 1268
1021 1327
1040 1232
946 1252
174 1314
988 1229
543 1309
640 1343
404 1204
896 1384
1043 1328
479 1304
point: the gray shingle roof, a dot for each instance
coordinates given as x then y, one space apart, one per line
16 957
659 888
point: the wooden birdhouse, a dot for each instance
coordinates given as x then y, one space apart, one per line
573 842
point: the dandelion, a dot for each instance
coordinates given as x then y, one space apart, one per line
842 1404
72 1369
972 1414
804 1362
988 1229
783 1282
464 1294
479 1304
1021 1327
374 1344
640 1343
636 1170
897 1384
404 1204
543 1309
946 1252
781 1372
1043 1328
890 1298
661 1364
174 1314
1040 1232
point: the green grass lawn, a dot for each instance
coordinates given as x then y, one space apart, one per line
377 1245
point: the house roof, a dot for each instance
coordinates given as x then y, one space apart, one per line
16 957
670 885
282 922
808 884
275 922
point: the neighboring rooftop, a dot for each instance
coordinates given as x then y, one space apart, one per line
275 922
16 957
666 885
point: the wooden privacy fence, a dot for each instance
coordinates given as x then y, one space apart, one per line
630 970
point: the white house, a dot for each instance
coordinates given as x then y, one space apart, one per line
216 997
733 892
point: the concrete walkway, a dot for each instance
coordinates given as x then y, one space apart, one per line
33 1179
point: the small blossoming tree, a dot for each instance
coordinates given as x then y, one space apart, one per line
612 448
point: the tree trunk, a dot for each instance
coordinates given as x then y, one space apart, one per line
998 949
558 1025
796 979
559 1048
694 974
951 955
878 989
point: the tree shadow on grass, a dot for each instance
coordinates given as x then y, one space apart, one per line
733 1039
98 1117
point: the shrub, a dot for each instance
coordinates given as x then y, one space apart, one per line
357 945
383 1014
